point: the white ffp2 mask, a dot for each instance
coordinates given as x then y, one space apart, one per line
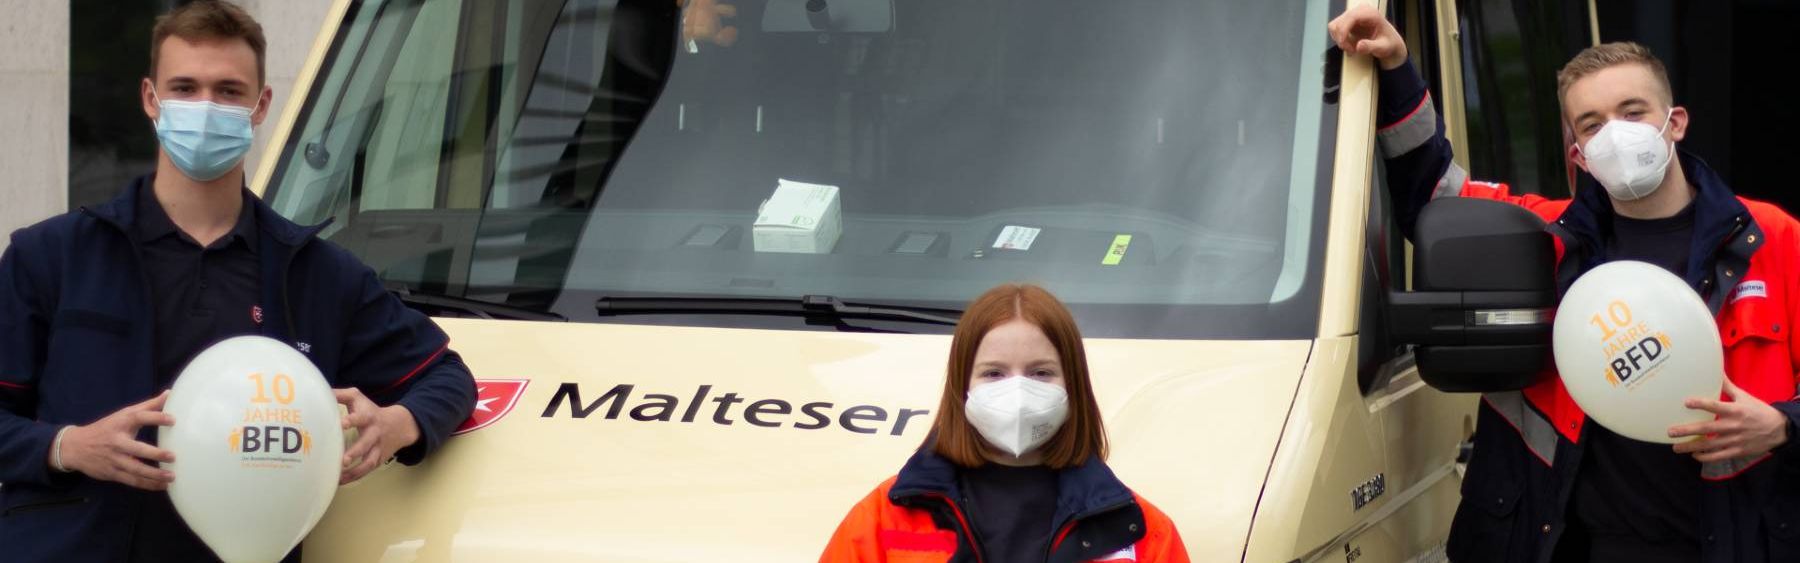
1629 158
1017 414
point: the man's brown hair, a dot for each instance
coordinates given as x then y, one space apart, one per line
1608 55
1082 437
209 20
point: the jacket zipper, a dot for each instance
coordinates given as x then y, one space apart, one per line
287 265
287 309
149 301
1058 539
1713 258
1738 228
962 521
1064 530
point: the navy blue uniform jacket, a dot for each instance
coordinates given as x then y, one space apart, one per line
76 342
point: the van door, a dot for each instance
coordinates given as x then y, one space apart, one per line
1491 65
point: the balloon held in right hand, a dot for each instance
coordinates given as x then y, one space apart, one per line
1632 343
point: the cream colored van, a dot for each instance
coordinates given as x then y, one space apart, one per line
706 278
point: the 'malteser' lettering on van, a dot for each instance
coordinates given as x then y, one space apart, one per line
767 413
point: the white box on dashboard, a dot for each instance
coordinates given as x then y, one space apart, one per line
799 217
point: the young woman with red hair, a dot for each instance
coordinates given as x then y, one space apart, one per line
1014 468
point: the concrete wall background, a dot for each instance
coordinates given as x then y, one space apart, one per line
34 84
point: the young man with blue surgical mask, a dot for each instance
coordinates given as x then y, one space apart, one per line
102 307
1544 483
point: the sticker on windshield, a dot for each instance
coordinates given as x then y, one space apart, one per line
1017 238
1116 254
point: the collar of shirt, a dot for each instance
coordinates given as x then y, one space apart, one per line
1683 220
153 223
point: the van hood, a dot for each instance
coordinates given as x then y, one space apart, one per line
627 443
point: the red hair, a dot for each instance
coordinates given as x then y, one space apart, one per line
1081 437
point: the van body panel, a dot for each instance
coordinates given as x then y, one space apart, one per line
1351 468
1193 426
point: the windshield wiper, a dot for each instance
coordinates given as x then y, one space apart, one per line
807 306
435 302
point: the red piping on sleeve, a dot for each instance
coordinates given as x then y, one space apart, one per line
421 367
1409 115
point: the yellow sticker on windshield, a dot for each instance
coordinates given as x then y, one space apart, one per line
1117 253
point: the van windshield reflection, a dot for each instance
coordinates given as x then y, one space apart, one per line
546 154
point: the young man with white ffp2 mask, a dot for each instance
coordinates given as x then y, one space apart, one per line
1015 462
1544 484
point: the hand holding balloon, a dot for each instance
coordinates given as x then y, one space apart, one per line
108 449
1746 427
255 447
1632 340
381 431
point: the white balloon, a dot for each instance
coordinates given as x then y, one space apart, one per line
1632 343
257 447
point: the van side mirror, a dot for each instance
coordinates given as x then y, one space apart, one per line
1484 278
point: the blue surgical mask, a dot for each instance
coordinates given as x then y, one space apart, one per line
204 139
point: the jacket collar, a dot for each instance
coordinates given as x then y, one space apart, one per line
1082 490
1717 214
279 242
122 212
153 223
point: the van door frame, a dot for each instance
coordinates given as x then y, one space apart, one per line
296 99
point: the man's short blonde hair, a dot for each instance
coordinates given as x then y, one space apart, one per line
1608 55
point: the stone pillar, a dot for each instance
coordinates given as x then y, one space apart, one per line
34 82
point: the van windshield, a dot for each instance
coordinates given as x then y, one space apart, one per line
1158 164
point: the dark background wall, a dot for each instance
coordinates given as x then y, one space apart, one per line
1730 64
110 139
1733 65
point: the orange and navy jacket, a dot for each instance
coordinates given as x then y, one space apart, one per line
1744 263
918 517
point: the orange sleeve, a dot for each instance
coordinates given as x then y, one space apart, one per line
1548 209
1162 542
857 537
